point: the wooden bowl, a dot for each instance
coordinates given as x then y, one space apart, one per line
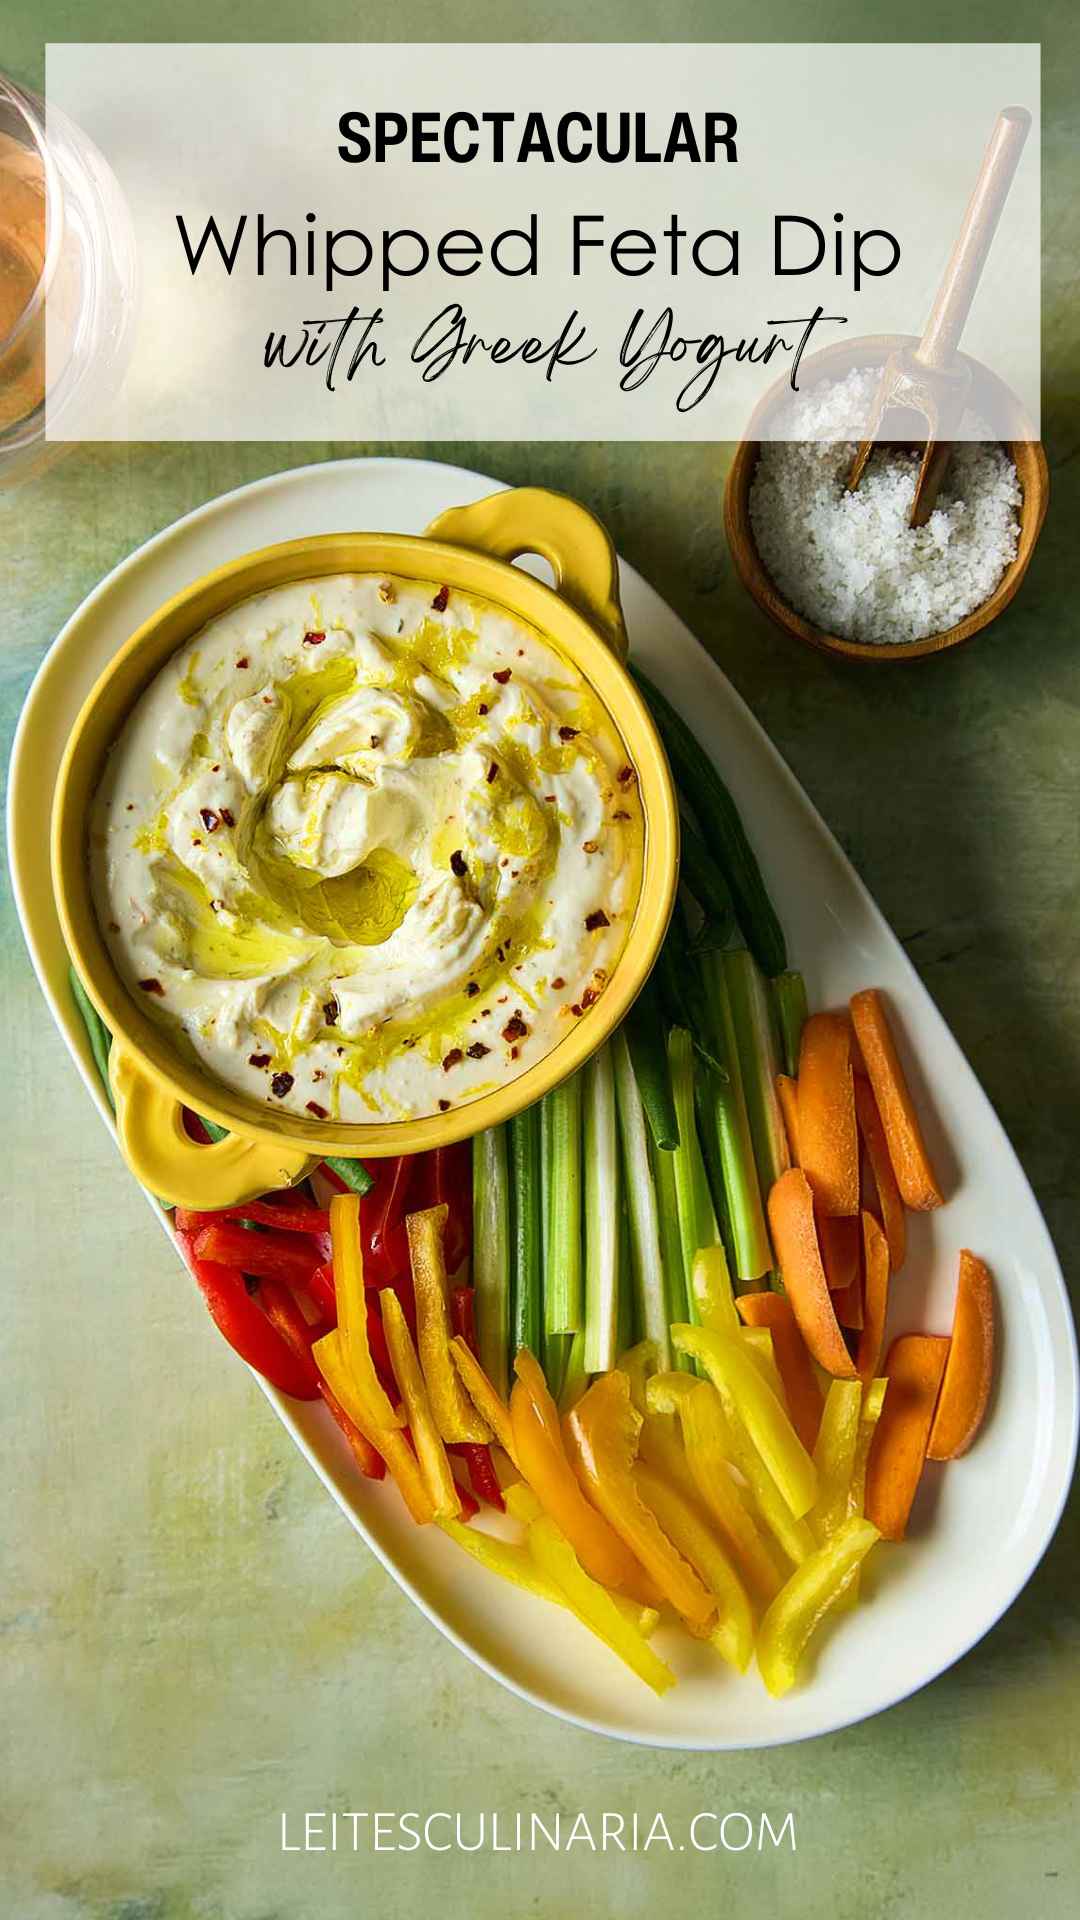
1026 454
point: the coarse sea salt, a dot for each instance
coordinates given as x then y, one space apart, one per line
849 562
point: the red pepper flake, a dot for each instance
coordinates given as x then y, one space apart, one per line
243 662
558 983
227 818
330 1012
258 1059
217 906
375 741
551 797
492 773
440 600
626 776
502 675
472 990
444 1106
620 814
595 920
458 864
152 986
515 1028
314 639
280 1084
514 1052
483 707
452 1059
319 1112
590 996
477 1051
568 733
577 1011
589 846
210 819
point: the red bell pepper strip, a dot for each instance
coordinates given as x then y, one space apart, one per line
269 1255
283 1313
445 1179
237 1314
477 1457
382 1221
291 1215
319 1286
370 1463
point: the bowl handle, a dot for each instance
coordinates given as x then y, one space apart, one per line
575 544
169 1163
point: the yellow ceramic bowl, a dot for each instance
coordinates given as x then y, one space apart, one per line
469 548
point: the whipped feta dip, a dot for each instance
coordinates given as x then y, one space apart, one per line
367 847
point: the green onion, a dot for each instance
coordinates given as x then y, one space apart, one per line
561 1173
789 990
648 1265
706 882
96 1032
556 1356
645 1036
718 817
602 1208
491 1255
525 1215
705 1094
696 1216
759 1064
734 1145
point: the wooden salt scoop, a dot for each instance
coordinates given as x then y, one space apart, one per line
927 386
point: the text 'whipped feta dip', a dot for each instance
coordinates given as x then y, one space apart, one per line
370 845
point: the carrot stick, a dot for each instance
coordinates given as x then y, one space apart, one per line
848 1302
969 1370
787 1092
875 1299
914 1365
907 1149
795 1242
801 1390
838 1235
828 1138
877 1152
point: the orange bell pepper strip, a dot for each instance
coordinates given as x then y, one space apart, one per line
538 1448
742 1385
802 1604
603 1432
389 1441
484 1395
787 1092
455 1415
875 1299
915 1176
709 1454
969 1370
430 1451
794 1237
877 1152
732 1634
801 1390
352 1319
828 1137
914 1367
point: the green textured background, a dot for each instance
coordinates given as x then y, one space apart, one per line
191 1638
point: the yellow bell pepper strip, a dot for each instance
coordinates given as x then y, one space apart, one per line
638 1363
602 1433
709 1451
352 1316
732 1371
726 1437
732 1633
541 1458
510 1559
713 1294
873 1401
522 1505
484 1396
802 1604
834 1457
455 1415
329 1356
595 1607
432 1455
758 1342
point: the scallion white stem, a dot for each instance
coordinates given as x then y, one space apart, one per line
647 1259
602 1201
491 1254
561 1157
